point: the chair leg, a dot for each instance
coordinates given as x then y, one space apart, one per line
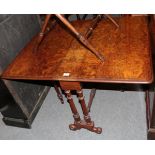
93 25
112 20
41 34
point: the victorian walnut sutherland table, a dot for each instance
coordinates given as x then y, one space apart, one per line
60 57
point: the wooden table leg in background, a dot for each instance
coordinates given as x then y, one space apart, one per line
59 94
92 95
86 123
150 113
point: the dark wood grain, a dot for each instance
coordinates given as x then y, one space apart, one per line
126 50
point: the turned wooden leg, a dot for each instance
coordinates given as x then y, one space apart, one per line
92 95
112 20
87 123
76 116
83 106
72 106
41 34
59 94
79 124
93 26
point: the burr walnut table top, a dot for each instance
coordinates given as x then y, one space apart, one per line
61 57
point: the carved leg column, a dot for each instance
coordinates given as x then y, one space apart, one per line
78 124
83 106
87 123
76 115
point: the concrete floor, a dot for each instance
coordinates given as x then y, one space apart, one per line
120 114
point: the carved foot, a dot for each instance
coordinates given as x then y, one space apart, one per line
83 124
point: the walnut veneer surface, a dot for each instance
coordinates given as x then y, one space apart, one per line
126 51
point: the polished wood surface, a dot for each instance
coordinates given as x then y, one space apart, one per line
61 57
